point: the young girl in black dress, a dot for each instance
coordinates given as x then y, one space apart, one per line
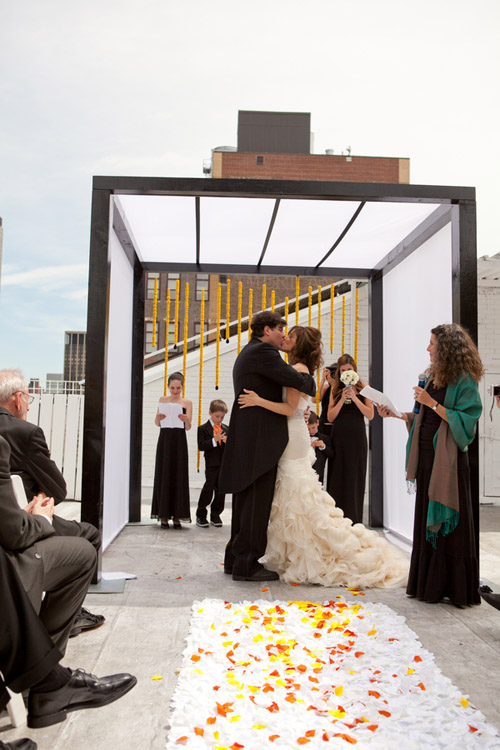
171 483
347 411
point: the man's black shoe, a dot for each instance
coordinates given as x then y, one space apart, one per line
24 744
83 690
487 594
202 522
260 575
85 620
216 521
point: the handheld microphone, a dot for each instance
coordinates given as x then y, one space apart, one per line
422 378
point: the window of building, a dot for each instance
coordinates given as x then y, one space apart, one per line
223 279
150 293
197 330
260 160
172 279
202 281
149 338
171 333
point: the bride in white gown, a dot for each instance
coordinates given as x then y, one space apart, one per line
309 539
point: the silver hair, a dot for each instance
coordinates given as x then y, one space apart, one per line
11 381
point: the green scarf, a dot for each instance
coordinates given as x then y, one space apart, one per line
463 409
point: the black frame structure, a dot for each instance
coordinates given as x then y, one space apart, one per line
453 204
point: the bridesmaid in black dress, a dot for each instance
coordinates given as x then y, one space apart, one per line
444 562
347 411
171 482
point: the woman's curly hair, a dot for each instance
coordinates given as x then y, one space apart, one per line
338 386
308 348
456 354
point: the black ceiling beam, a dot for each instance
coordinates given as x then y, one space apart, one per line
343 233
236 268
291 189
270 230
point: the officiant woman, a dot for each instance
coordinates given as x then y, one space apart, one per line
347 411
444 562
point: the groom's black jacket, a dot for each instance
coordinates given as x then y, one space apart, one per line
257 437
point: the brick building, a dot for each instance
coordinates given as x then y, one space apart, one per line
271 145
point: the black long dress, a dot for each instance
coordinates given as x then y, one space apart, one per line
451 569
347 469
171 482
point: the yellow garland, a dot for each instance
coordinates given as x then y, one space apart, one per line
167 325
217 342
240 297
250 304
186 321
273 300
155 312
200 386
228 310
286 323
356 314
176 321
264 296
343 323
309 306
297 302
332 313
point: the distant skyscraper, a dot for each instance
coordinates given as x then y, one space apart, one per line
75 345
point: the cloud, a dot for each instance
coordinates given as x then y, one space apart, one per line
50 278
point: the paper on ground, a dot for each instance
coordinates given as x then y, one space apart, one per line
379 398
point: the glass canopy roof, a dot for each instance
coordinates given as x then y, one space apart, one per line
277 232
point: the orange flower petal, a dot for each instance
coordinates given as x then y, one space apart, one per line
374 693
177 579
274 737
310 733
302 741
264 589
372 727
199 731
182 740
211 720
384 713
417 658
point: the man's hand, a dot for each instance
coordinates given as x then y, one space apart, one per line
43 506
318 444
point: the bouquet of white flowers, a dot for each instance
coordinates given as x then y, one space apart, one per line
348 378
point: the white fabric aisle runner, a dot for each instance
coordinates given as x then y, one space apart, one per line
285 674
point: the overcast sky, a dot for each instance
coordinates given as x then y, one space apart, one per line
149 87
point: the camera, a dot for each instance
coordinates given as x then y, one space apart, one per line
332 369
494 390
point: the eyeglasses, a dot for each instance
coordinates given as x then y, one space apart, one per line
30 398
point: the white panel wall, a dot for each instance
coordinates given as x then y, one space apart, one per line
417 297
118 394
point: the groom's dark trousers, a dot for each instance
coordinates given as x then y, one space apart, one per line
256 439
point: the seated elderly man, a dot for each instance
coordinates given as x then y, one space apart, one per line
29 660
30 458
62 567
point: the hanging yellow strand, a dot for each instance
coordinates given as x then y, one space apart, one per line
186 322
167 326
200 385
319 308
343 323
155 312
309 306
228 310
286 323
297 303
264 295
240 298
356 316
176 320
273 300
250 305
217 342
332 313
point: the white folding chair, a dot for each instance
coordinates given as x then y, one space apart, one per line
18 487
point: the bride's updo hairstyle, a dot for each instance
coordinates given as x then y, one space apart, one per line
308 348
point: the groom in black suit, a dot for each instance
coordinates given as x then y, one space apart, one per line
256 439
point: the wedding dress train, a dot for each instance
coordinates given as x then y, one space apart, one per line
309 539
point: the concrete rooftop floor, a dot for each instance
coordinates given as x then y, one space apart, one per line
147 623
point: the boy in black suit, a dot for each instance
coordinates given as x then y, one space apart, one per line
211 440
321 445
